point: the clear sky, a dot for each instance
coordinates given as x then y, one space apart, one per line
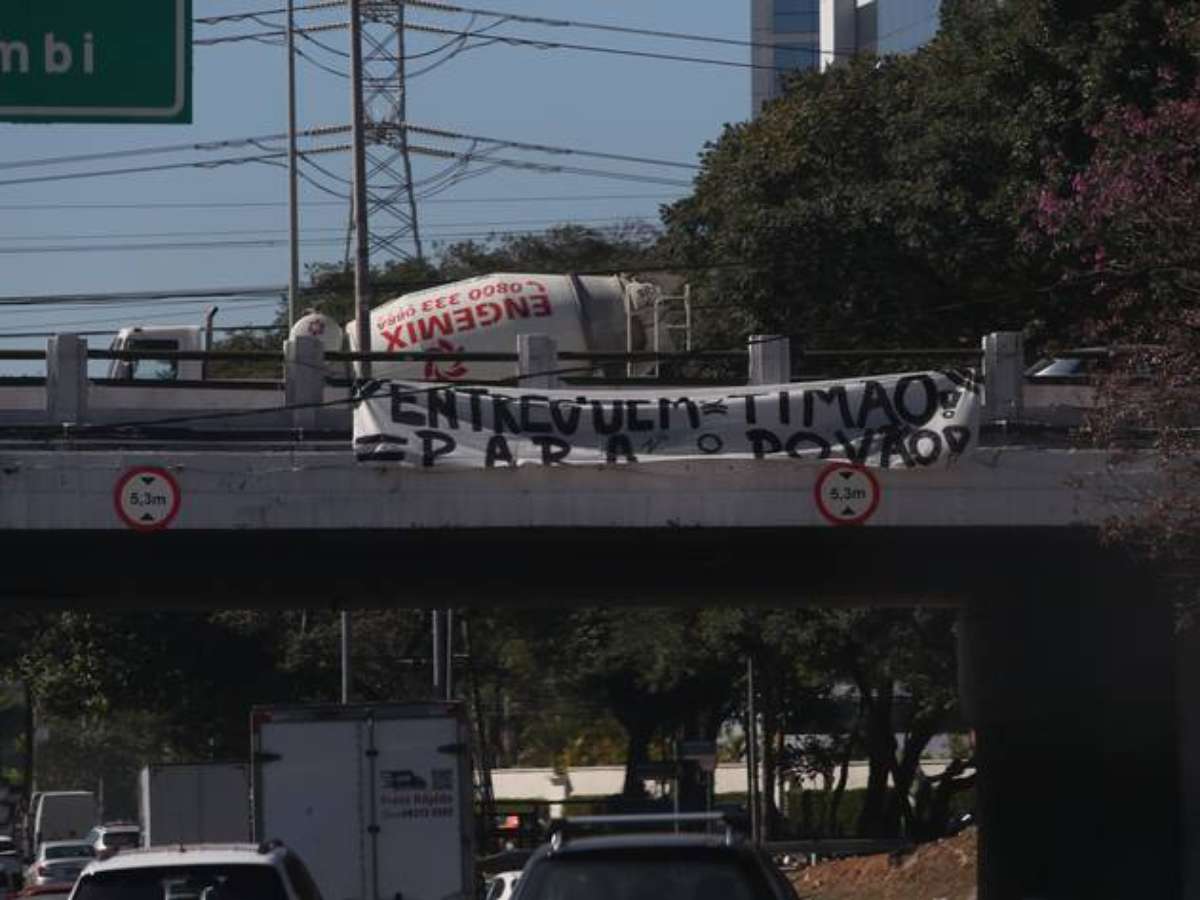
563 97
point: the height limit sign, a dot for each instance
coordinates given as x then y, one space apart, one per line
147 498
846 494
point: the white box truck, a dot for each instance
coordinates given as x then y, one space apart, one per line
194 803
376 799
62 816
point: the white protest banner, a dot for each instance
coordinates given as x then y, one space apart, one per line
891 421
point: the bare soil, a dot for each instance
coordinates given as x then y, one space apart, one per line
942 870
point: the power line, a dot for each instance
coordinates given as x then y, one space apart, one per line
518 17
549 168
274 204
486 39
329 131
202 146
13 335
139 170
134 298
542 148
551 223
154 318
246 244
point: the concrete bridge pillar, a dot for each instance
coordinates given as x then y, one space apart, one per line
1069 682
1187 647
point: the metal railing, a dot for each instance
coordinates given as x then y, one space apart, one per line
316 384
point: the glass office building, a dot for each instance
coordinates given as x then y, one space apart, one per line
809 34
786 36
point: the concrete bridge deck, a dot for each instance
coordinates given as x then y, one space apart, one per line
1067 656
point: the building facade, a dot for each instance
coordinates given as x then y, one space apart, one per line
813 34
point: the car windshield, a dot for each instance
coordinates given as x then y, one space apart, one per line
69 851
122 839
198 882
647 874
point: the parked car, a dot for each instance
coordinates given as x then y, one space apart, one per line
1082 366
11 877
113 838
650 866
10 883
58 862
199 872
10 855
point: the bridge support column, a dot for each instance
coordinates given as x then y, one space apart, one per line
1070 687
1188 655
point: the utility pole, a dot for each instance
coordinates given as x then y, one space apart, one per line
362 261
436 659
293 173
443 653
752 755
449 655
30 742
346 674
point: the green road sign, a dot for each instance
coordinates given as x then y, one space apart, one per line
92 61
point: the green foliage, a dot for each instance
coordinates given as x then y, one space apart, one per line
101 754
567 248
882 202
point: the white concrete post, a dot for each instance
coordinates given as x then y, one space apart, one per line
770 359
537 361
1003 375
66 379
304 378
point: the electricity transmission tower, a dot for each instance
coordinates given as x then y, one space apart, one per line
391 197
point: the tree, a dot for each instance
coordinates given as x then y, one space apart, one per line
882 202
1122 228
565 248
653 669
901 666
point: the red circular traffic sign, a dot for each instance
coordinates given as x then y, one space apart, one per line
147 498
846 494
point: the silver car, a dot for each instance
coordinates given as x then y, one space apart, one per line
58 862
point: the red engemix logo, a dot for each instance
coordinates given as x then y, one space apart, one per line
456 369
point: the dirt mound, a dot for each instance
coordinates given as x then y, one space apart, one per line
943 870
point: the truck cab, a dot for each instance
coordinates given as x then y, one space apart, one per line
169 338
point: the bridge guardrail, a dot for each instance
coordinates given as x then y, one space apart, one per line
312 394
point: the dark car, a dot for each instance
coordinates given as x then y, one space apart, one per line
649 866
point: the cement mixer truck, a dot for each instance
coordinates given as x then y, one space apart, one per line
599 313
